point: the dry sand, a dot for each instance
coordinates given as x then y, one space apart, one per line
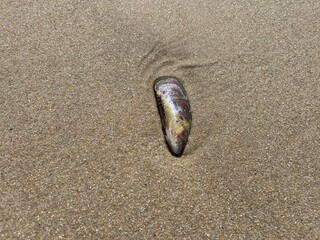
82 155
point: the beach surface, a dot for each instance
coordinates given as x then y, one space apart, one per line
82 154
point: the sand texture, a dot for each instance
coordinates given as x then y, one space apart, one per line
82 154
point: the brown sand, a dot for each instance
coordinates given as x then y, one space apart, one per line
82 154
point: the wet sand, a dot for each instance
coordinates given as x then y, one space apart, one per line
82 155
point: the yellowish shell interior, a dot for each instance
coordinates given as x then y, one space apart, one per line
176 124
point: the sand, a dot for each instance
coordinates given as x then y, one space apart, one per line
82 155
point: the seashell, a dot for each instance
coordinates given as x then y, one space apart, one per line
175 112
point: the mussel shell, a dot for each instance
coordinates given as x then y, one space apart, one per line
175 112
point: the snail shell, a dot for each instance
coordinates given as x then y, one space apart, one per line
175 112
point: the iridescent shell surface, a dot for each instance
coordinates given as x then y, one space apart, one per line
175 112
